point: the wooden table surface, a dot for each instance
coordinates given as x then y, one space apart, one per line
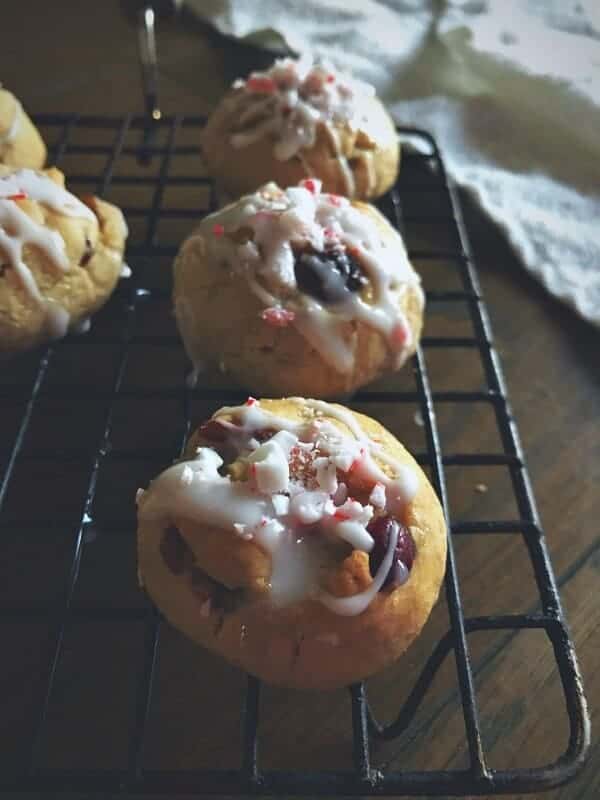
82 57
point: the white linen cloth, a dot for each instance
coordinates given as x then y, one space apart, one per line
509 88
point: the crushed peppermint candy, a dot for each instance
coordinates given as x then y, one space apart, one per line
352 509
377 496
302 93
294 496
302 465
281 504
326 474
278 317
16 196
312 186
399 335
261 85
310 507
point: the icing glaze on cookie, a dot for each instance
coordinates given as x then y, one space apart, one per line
292 494
18 230
260 237
39 187
291 99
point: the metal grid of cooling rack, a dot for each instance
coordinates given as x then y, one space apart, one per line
129 139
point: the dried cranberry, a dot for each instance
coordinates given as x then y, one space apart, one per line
380 529
264 434
175 551
213 431
328 276
87 253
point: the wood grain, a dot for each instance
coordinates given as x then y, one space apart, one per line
65 56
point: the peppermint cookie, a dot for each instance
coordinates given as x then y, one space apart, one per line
297 292
302 119
20 143
60 258
298 539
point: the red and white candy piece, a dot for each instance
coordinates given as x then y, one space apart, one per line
261 85
15 196
278 317
377 496
400 335
311 185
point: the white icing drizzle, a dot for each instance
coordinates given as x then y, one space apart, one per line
10 134
291 98
345 170
41 188
356 604
304 217
18 230
274 503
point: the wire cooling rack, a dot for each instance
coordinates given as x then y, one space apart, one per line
69 415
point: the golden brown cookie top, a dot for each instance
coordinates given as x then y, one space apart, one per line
323 492
314 260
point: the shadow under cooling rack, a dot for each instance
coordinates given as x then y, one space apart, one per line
108 390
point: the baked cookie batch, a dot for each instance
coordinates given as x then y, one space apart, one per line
296 538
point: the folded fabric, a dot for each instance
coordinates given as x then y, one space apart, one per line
509 88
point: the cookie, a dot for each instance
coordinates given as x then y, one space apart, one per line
20 142
302 119
297 292
297 539
60 258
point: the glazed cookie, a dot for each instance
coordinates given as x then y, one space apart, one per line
297 292
60 258
302 119
299 540
20 143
